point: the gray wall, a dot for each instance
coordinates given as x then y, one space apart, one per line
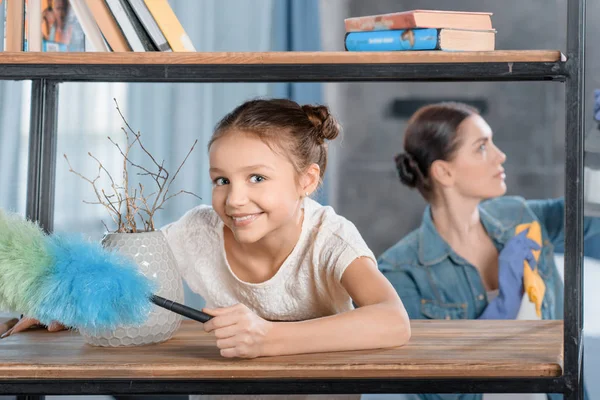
527 118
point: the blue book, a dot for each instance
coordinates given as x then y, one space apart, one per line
421 39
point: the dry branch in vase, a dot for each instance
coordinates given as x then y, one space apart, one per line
127 203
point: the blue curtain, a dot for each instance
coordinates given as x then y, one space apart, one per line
296 27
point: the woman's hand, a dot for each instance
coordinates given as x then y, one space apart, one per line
239 331
27 322
510 277
510 261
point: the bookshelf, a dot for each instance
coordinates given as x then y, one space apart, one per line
47 71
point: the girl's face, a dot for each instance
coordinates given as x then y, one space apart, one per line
476 168
255 190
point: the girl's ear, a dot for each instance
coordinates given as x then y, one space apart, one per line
309 181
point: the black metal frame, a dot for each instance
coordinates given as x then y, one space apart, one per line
40 203
574 203
41 174
456 72
282 386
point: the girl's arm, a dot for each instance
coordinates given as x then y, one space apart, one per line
379 321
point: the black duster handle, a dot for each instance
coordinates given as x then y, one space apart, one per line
180 309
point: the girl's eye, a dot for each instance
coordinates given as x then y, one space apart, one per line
220 181
257 178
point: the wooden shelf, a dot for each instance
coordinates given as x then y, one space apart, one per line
220 58
509 65
438 349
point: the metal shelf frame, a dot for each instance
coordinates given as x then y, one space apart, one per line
41 187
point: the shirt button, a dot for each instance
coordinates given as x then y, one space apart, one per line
480 297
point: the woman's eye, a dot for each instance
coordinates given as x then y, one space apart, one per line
257 178
482 147
220 181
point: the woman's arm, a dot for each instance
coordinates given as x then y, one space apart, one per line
380 321
551 213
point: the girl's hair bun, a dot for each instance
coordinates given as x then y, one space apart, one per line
325 125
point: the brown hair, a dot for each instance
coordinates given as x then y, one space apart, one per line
300 131
431 134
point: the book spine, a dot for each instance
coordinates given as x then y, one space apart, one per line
169 25
93 35
34 25
396 40
380 22
150 24
14 25
111 31
138 27
125 24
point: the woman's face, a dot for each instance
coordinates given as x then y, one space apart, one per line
476 167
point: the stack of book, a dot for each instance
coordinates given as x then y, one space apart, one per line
93 25
421 30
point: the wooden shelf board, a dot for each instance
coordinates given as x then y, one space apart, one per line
438 349
220 58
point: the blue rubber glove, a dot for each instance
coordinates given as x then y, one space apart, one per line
510 277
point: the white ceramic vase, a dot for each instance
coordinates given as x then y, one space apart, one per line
154 257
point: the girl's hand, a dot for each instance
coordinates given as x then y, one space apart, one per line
27 322
239 332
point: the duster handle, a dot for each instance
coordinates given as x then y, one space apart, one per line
180 309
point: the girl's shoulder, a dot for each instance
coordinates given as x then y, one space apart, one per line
335 240
194 235
325 221
331 229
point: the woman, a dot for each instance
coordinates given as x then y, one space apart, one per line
465 261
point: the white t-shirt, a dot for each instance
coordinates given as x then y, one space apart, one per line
306 286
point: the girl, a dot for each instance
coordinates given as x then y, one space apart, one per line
277 269
465 261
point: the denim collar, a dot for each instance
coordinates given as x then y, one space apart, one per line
434 249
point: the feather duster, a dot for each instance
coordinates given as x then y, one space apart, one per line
78 283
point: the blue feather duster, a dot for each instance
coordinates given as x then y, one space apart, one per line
92 288
68 279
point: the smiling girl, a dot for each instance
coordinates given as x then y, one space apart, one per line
280 272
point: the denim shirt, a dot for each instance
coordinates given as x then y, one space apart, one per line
434 282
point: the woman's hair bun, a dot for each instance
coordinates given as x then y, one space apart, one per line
407 169
325 125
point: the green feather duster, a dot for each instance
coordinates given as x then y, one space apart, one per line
23 261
